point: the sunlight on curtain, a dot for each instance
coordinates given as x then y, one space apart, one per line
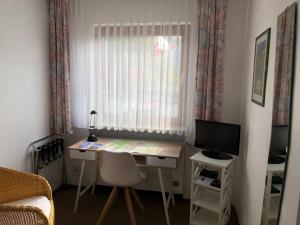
135 68
139 78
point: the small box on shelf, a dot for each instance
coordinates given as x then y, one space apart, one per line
205 182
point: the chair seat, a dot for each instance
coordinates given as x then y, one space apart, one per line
40 202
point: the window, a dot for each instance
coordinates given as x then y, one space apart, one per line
139 76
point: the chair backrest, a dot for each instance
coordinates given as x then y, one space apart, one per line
119 169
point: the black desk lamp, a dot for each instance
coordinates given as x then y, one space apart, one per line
92 136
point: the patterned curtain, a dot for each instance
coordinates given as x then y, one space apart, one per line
59 66
284 65
210 62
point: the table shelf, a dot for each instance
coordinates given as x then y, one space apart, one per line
205 184
210 205
205 217
208 200
272 201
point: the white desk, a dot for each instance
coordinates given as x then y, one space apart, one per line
147 153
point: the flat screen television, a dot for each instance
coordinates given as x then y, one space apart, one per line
220 139
279 139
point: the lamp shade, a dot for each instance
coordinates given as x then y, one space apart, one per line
93 112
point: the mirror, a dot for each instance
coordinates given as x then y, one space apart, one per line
281 118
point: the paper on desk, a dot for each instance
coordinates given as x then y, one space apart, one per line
90 145
96 146
118 146
146 150
132 146
86 144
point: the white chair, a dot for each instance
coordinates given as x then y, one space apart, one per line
121 171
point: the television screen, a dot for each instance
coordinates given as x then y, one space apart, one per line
221 137
279 139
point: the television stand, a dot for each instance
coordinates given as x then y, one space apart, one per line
210 204
216 155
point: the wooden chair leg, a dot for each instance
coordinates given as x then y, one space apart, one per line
108 204
129 206
137 199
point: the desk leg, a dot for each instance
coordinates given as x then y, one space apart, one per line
163 196
171 187
97 172
79 185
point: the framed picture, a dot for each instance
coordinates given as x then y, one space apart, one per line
260 70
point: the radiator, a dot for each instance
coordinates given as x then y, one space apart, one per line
48 159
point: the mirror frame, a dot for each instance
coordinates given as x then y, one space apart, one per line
291 110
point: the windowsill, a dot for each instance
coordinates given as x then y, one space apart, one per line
131 135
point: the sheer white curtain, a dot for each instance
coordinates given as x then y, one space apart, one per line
134 71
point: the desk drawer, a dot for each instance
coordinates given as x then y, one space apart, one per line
87 155
161 162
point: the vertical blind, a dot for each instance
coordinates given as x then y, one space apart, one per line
139 76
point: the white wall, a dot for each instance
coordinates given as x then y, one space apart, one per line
234 40
256 120
24 79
